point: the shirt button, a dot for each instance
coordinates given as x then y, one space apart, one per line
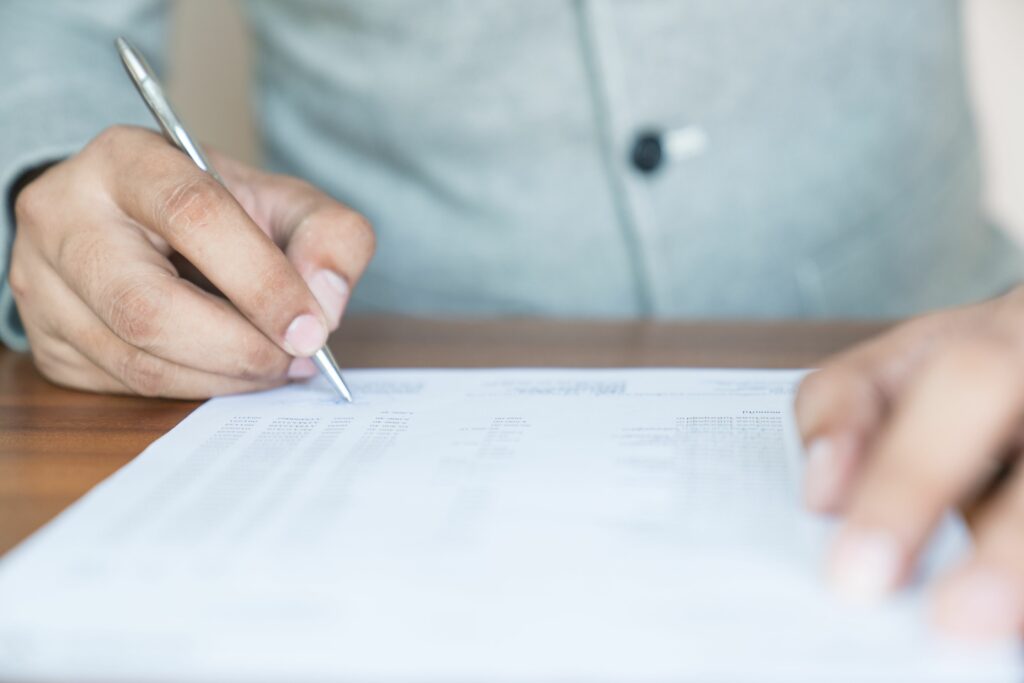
647 152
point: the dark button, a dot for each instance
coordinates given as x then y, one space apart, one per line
647 152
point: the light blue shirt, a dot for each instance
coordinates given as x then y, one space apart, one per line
491 143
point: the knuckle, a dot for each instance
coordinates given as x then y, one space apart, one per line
810 385
109 142
364 232
839 396
826 383
137 310
807 403
30 204
113 139
121 148
349 230
111 135
144 374
188 204
18 279
260 359
80 253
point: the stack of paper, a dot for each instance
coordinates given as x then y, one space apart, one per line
527 525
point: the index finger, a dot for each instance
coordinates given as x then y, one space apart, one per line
946 432
840 408
162 189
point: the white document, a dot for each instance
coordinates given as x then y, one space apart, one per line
498 525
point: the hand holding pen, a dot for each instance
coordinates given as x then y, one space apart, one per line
105 308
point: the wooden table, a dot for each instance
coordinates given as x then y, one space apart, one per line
56 444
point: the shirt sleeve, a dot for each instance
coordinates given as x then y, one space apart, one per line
62 84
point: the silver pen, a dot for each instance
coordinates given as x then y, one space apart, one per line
148 86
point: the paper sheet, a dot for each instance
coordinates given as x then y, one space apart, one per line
633 525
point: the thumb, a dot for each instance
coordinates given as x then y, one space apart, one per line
331 247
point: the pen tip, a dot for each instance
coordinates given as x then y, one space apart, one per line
341 388
324 360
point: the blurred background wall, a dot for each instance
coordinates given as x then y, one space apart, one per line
211 57
995 34
209 66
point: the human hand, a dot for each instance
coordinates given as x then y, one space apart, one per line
905 427
93 271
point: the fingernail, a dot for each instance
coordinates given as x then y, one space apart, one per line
865 565
305 335
981 604
301 368
331 292
822 478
